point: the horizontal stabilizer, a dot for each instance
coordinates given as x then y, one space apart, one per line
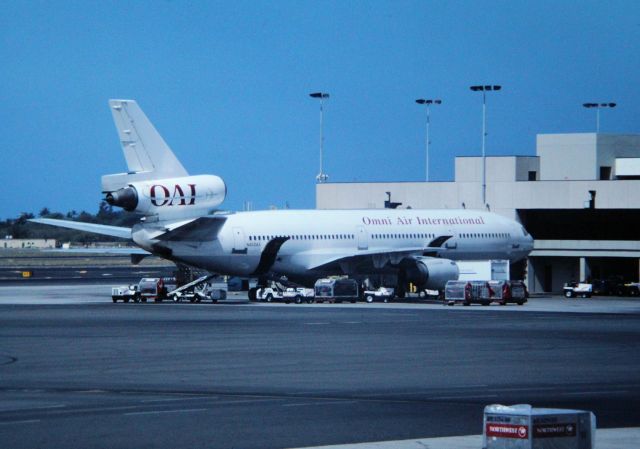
113 231
127 251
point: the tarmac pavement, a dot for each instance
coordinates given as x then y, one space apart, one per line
623 438
79 371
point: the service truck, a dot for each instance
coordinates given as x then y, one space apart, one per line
273 292
125 293
577 289
384 294
485 292
483 270
298 295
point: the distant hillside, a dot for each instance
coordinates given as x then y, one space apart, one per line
20 228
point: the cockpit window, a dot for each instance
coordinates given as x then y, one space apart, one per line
524 232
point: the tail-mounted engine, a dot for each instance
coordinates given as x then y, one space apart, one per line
183 197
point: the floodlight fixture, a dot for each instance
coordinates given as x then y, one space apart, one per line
484 89
597 107
427 103
321 177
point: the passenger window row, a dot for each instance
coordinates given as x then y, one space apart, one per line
375 236
304 237
403 236
488 235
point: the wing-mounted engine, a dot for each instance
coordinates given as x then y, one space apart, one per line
173 197
428 272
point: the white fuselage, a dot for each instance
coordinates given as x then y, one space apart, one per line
313 239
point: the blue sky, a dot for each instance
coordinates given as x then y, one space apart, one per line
227 84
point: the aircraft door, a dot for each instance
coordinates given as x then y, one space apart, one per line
363 238
452 243
239 242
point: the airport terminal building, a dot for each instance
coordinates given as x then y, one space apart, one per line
579 197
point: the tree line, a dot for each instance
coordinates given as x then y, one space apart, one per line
21 228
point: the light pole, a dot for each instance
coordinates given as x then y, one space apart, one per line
428 103
322 177
597 107
484 90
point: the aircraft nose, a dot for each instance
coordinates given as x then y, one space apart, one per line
529 242
526 239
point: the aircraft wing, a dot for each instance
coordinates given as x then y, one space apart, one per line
113 231
320 259
202 228
370 258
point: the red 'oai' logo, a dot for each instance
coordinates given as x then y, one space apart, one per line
160 195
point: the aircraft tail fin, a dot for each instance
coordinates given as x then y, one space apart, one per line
147 154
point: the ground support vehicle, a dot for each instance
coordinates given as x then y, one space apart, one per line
336 290
298 295
615 286
269 294
468 292
384 294
483 270
509 291
632 289
199 290
577 290
155 289
605 287
125 294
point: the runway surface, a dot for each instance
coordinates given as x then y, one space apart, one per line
80 275
81 372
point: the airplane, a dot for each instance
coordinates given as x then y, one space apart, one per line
182 223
